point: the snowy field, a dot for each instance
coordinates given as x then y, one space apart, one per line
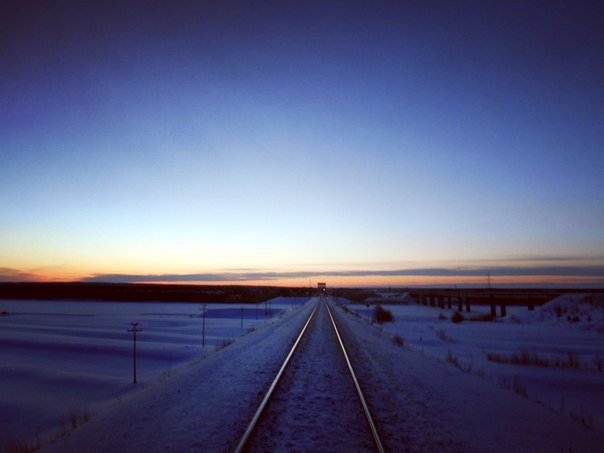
61 356
553 355
421 403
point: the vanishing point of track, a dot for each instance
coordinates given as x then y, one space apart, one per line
252 426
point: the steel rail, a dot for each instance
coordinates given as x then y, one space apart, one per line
252 425
376 437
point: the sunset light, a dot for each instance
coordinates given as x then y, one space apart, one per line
237 141
310 226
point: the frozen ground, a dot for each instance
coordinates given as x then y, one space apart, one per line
419 403
204 407
56 356
576 390
422 403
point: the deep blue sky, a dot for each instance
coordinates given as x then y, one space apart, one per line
186 137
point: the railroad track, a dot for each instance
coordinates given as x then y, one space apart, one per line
253 425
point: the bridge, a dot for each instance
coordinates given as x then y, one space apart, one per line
466 298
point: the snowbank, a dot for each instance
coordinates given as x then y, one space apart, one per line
583 309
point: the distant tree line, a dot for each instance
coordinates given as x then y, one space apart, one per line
358 295
134 292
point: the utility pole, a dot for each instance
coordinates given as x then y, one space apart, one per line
203 324
134 331
492 302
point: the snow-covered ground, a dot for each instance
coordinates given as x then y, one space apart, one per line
422 403
418 400
563 341
56 356
204 406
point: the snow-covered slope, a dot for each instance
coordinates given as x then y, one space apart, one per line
60 356
422 403
205 407
585 309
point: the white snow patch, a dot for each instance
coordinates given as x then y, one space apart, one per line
59 355
577 391
585 309
422 403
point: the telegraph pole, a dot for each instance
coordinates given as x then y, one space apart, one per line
492 302
203 324
134 331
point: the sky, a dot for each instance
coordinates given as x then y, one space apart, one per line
357 143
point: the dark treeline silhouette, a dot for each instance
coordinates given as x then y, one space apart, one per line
470 295
358 295
247 294
136 292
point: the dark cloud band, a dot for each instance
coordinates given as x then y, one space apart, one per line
559 271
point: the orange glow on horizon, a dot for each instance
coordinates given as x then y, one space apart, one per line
402 281
64 275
